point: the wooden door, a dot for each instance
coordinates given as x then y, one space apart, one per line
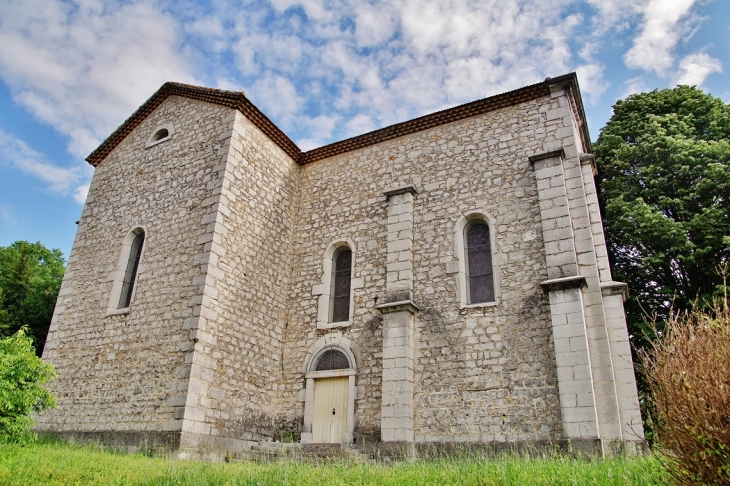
330 409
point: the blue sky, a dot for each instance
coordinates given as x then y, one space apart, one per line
322 70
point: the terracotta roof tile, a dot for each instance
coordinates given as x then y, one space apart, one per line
232 99
237 100
428 121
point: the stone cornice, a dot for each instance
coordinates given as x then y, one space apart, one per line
400 190
589 159
547 155
615 288
564 283
403 305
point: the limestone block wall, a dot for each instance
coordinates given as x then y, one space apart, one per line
339 200
244 309
482 373
129 372
485 373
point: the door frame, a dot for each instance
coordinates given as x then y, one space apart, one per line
311 382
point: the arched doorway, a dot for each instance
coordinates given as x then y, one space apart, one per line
329 409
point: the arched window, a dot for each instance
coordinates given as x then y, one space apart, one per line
332 359
130 275
341 278
160 134
335 306
480 278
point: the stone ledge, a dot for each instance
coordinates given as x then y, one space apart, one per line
564 283
211 448
403 305
400 190
145 442
396 451
589 159
546 155
333 325
615 288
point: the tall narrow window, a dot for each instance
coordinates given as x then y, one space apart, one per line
480 276
130 275
341 276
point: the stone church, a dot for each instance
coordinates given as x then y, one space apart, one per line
439 281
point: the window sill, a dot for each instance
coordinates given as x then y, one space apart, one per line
479 305
332 325
117 312
156 142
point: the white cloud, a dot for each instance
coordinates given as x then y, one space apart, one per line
321 69
390 61
359 124
694 68
635 85
616 14
18 155
374 25
664 24
590 77
7 215
84 67
80 193
277 96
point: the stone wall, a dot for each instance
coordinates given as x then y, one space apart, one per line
230 305
485 373
129 371
244 312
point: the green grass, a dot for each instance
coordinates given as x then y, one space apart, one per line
52 463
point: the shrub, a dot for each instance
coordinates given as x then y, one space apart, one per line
22 376
688 373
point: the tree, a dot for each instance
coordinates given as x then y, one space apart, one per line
22 376
30 278
664 187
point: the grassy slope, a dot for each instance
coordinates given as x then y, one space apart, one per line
67 465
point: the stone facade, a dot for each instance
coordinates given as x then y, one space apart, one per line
218 350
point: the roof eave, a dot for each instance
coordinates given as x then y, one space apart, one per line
237 100
231 99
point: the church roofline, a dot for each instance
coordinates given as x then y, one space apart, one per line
237 100
232 99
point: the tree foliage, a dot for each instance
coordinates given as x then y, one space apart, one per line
22 376
664 186
30 278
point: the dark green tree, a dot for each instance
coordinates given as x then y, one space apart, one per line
664 187
30 278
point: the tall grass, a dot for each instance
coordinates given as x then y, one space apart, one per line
688 372
60 464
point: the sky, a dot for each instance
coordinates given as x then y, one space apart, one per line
321 70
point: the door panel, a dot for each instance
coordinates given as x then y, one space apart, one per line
330 409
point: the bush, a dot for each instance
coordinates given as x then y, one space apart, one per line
22 376
688 373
